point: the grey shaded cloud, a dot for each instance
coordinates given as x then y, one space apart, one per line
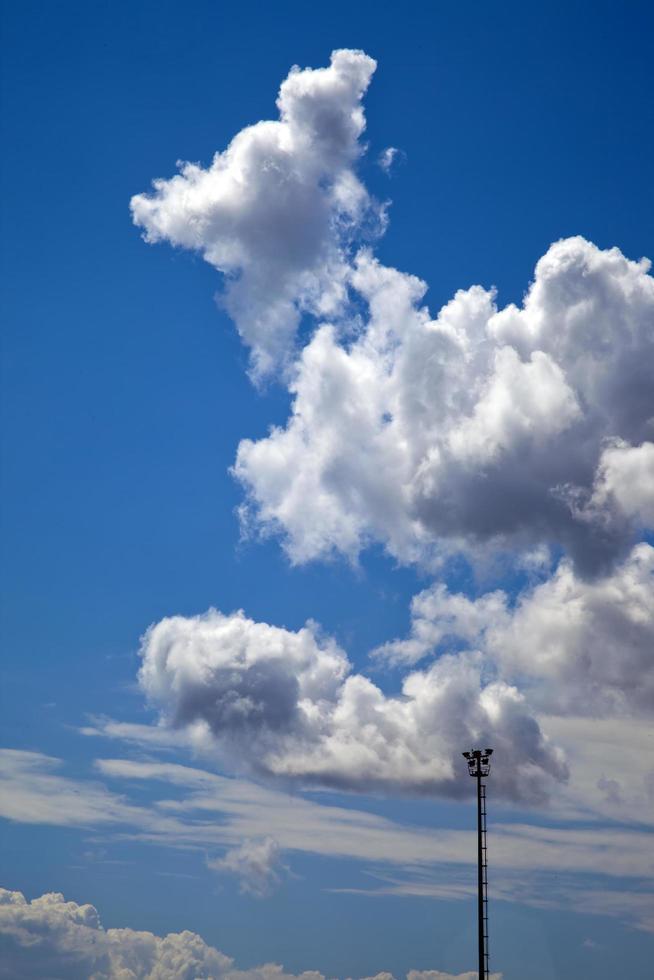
256 863
481 429
577 647
286 705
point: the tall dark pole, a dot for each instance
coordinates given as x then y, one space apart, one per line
480 886
479 767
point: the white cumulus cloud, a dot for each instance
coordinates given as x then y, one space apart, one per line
625 481
287 704
525 431
50 938
276 210
477 428
579 647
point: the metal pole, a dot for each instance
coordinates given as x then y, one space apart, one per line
478 761
480 881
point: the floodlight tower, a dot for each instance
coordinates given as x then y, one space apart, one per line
479 767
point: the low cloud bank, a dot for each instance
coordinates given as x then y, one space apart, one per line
52 939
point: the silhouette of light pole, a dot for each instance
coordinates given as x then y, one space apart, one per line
479 767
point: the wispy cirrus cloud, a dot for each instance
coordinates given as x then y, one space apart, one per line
540 889
229 819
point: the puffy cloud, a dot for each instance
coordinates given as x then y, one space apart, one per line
587 645
481 428
579 647
256 863
287 705
49 937
439 616
477 428
276 210
244 681
625 481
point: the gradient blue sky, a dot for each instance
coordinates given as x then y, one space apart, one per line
125 395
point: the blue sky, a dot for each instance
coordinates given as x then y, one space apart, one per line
127 391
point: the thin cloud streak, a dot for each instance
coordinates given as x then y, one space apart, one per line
251 813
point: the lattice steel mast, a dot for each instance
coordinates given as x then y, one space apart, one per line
479 767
